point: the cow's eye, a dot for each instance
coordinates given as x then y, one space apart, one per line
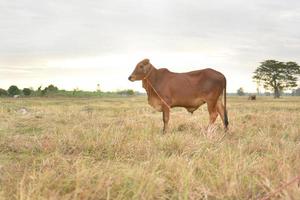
141 66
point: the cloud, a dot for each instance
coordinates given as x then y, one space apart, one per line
235 33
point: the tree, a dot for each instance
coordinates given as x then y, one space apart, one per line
51 88
277 76
13 90
27 91
240 91
3 92
48 90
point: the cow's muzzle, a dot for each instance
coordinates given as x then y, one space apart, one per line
131 78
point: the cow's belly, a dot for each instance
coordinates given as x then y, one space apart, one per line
155 103
188 102
194 106
191 104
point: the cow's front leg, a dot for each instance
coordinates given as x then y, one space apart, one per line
166 115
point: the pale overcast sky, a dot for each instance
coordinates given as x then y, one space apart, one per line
82 43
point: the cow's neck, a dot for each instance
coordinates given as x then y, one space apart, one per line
149 82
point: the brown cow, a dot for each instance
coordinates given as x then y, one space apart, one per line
190 90
252 97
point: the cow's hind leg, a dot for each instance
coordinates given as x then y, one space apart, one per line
220 109
166 116
213 114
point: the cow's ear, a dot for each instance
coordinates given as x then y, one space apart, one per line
146 61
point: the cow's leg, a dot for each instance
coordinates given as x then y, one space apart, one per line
213 114
166 115
220 109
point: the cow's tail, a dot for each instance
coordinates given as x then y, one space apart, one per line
225 110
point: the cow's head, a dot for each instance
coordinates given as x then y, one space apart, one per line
141 70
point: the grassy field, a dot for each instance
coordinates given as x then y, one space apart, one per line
113 148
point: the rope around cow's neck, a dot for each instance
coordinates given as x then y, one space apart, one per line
150 84
147 75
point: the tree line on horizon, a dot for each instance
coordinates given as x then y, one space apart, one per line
13 90
241 92
274 76
51 90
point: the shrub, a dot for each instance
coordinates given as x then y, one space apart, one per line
126 92
48 90
296 92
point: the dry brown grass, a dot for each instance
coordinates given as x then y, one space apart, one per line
113 148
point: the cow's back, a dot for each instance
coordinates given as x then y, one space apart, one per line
207 80
191 89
